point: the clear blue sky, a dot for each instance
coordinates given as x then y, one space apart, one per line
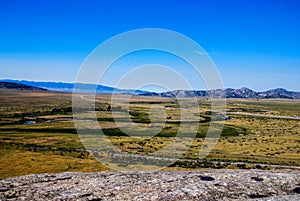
253 43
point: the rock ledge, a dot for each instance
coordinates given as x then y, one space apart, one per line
156 185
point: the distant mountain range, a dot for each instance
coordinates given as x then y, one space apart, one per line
88 88
68 87
229 93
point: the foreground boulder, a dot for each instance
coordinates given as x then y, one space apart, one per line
156 185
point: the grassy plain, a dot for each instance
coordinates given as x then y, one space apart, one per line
37 133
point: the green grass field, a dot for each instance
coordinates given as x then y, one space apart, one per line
37 134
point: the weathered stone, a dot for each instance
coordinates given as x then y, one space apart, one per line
273 185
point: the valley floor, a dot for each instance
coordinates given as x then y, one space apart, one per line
38 135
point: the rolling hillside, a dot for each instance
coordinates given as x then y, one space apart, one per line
10 85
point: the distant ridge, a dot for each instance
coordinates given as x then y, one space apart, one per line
69 87
229 93
100 89
10 85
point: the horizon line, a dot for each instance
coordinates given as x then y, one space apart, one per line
98 84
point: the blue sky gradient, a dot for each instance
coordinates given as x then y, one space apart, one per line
253 43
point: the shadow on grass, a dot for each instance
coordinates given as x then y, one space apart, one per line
41 130
228 130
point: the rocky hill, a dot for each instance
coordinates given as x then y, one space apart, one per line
203 185
280 93
10 85
229 93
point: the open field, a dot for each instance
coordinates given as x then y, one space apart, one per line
37 132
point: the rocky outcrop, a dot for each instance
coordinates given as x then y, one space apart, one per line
156 185
279 93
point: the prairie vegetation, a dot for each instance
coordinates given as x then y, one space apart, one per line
37 133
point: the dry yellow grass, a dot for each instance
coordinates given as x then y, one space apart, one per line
15 162
256 139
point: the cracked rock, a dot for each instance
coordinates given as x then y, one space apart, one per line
222 184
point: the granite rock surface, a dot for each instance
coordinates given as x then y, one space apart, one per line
204 185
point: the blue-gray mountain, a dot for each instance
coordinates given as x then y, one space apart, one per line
69 87
228 93
11 85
